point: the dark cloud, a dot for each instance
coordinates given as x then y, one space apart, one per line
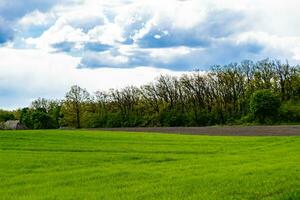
218 24
69 47
201 58
98 47
158 39
64 46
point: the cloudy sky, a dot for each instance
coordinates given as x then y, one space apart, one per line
47 46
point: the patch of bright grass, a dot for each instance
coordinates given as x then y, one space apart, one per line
60 164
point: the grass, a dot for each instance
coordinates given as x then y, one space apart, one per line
60 164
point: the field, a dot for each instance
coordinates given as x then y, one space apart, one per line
67 164
283 130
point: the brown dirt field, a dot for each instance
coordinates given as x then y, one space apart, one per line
222 130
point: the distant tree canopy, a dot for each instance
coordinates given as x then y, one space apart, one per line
42 114
6 115
250 92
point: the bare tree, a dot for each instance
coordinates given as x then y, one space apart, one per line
74 102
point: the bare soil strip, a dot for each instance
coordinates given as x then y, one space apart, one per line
222 130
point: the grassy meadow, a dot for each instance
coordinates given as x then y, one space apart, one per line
65 164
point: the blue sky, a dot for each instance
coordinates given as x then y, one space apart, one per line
46 46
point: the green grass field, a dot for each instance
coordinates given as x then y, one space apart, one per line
108 165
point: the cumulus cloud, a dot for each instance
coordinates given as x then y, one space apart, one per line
16 13
126 34
176 29
36 18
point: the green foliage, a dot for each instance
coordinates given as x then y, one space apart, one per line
73 107
42 120
55 164
245 120
43 114
172 118
114 120
6 115
264 105
290 111
26 118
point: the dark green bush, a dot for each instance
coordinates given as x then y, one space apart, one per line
264 106
290 112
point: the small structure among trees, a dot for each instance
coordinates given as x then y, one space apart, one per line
13 125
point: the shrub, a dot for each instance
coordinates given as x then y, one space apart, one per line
42 120
264 105
290 112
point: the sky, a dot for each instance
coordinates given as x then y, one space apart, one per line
47 46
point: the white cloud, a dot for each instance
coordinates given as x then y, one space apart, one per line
40 74
71 25
286 45
57 34
109 34
36 18
172 23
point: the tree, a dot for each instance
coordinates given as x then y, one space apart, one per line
26 118
73 105
42 120
264 104
54 110
40 103
6 115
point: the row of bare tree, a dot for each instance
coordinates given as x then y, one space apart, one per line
219 96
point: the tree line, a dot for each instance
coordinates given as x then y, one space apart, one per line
264 92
